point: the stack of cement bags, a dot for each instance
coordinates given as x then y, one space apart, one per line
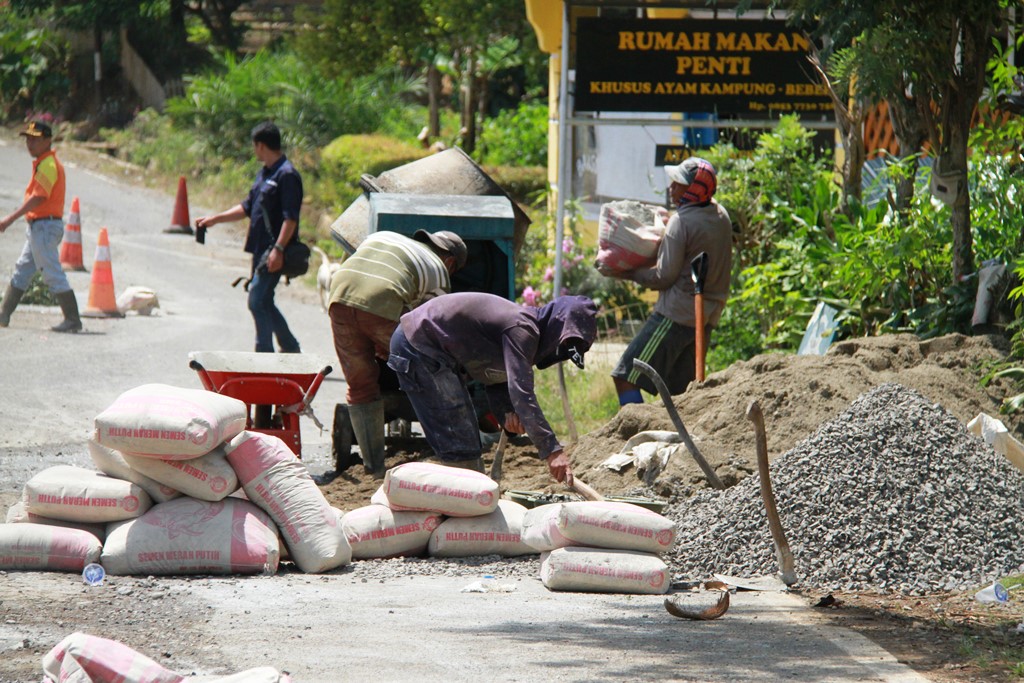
602 547
448 511
171 459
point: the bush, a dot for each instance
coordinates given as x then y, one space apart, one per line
32 65
522 183
515 136
348 157
311 110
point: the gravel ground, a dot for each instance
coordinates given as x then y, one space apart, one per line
892 495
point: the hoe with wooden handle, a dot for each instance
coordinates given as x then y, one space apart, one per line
782 551
699 273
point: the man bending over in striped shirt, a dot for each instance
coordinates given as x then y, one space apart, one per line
388 275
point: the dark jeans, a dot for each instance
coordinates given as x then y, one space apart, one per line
440 398
269 320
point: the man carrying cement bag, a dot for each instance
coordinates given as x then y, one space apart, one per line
388 275
496 342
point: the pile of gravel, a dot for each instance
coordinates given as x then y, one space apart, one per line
892 495
523 567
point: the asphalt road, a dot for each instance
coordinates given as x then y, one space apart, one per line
333 627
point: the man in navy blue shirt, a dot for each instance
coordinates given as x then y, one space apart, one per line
273 208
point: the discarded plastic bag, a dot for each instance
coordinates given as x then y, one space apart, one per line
83 658
993 432
142 300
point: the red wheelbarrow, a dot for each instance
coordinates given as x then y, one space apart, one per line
276 387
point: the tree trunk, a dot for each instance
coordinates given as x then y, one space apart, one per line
469 104
910 136
433 100
963 251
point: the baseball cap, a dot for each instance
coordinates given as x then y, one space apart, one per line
37 129
446 240
698 174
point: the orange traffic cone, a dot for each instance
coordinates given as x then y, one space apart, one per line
102 303
180 222
71 245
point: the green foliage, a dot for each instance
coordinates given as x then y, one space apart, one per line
38 293
348 157
521 182
518 136
310 110
32 61
592 396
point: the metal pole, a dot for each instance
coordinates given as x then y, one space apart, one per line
564 177
564 191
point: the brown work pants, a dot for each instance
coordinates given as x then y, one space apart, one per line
359 339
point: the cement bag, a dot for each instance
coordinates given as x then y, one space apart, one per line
17 514
497 533
189 536
598 524
168 422
208 477
629 234
452 491
603 571
82 658
48 548
80 495
275 480
377 531
113 464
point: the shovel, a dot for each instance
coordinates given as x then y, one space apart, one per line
699 272
499 455
782 552
666 398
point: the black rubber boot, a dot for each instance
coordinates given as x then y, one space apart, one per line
11 298
368 426
69 305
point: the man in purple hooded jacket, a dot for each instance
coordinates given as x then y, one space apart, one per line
496 342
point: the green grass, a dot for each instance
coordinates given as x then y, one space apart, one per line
592 397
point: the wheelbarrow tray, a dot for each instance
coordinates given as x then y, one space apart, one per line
288 381
259 378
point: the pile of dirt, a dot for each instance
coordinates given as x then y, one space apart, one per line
797 394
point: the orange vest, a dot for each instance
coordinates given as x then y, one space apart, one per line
48 182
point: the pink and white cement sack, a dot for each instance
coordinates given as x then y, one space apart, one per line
47 548
189 536
168 422
377 531
452 491
497 533
17 514
603 571
598 524
628 237
209 477
82 658
274 479
113 464
81 495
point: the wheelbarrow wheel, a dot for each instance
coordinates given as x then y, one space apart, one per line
342 440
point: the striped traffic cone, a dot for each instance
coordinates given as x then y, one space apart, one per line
179 219
102 303
71 246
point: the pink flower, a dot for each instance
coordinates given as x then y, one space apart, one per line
567 246
549 274
531 296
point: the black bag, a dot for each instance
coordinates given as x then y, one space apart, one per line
296 255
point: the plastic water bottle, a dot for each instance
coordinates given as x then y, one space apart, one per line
93 574
996 593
